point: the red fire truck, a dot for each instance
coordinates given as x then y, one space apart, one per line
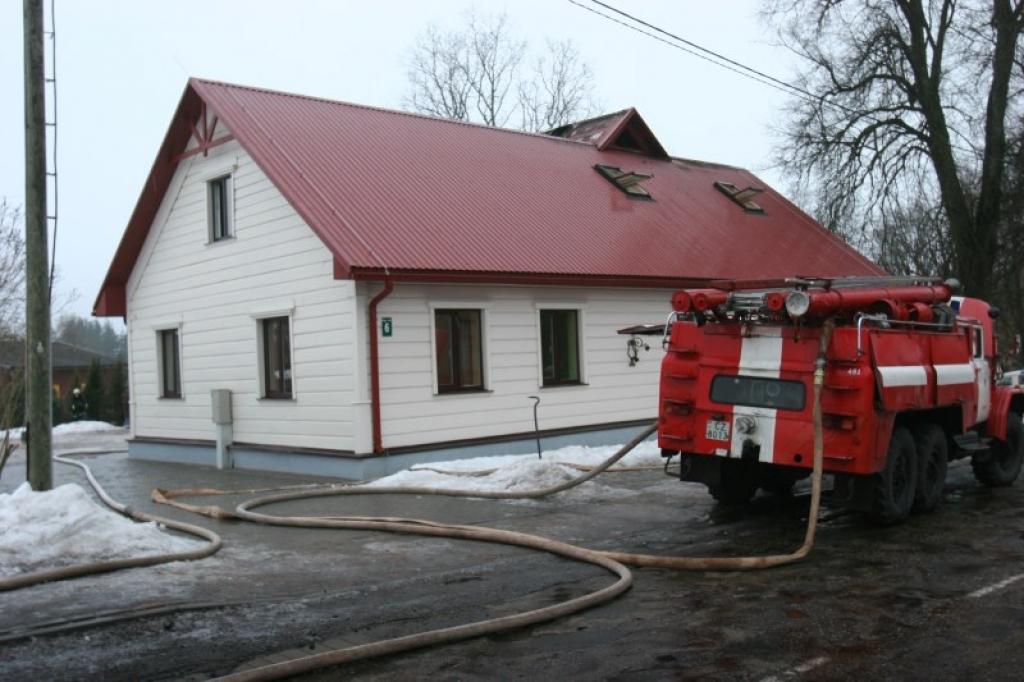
909 385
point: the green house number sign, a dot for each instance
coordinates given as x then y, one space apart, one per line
386 327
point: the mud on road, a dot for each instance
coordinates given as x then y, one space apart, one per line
940 597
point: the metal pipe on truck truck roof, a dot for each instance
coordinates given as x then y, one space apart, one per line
890 300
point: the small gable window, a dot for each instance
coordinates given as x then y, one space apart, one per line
743 197
219 207
627 181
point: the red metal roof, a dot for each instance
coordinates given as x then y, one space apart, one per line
401 194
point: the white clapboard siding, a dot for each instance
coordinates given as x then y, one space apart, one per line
215 292
413 414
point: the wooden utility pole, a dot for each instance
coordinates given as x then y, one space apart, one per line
38 400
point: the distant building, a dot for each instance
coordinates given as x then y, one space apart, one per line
376 287
70 362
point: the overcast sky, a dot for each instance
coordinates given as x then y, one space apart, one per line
122 65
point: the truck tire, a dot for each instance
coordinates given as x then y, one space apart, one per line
932 454
1002 466
736 485
894 487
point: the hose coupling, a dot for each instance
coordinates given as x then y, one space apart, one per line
819 371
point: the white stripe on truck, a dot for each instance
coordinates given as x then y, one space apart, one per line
946 375
903 375
760 356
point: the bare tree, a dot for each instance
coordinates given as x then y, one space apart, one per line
907 103
477 74
12 269
438 80
1009 287
560 91
913 239
492 66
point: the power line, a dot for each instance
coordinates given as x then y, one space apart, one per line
703 53
736 67
716 55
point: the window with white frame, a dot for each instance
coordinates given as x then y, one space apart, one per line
169 352
458 345
219 208
276 360
560 347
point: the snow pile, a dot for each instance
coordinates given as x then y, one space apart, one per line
71 428
63 526
83 427
508 473
645 454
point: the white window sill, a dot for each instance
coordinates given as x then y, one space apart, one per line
563 386
469 393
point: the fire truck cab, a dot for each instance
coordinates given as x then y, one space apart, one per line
909 385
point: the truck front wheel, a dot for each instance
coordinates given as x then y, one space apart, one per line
1003 462
893 488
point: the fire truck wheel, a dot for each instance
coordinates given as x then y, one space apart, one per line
931 466
894 487
1003 463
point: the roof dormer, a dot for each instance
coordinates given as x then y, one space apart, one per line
624 131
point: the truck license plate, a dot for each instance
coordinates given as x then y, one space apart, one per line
717 430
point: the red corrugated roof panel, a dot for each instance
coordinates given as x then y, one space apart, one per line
394 191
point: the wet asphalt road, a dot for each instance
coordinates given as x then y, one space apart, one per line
934 598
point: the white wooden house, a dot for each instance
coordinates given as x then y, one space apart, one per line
375 287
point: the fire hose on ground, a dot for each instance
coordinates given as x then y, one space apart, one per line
94 567
614 562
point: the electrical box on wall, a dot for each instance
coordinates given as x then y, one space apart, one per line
220 406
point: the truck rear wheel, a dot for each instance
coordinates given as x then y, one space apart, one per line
894 487
932 453
1002 465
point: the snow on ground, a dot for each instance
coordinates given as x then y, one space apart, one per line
64 526
644 454
71 428
526 472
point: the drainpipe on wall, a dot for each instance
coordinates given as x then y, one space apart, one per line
389 286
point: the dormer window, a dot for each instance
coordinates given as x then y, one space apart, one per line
219 204
743 197
627 181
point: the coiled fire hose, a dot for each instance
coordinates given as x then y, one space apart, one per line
93 567
614 562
